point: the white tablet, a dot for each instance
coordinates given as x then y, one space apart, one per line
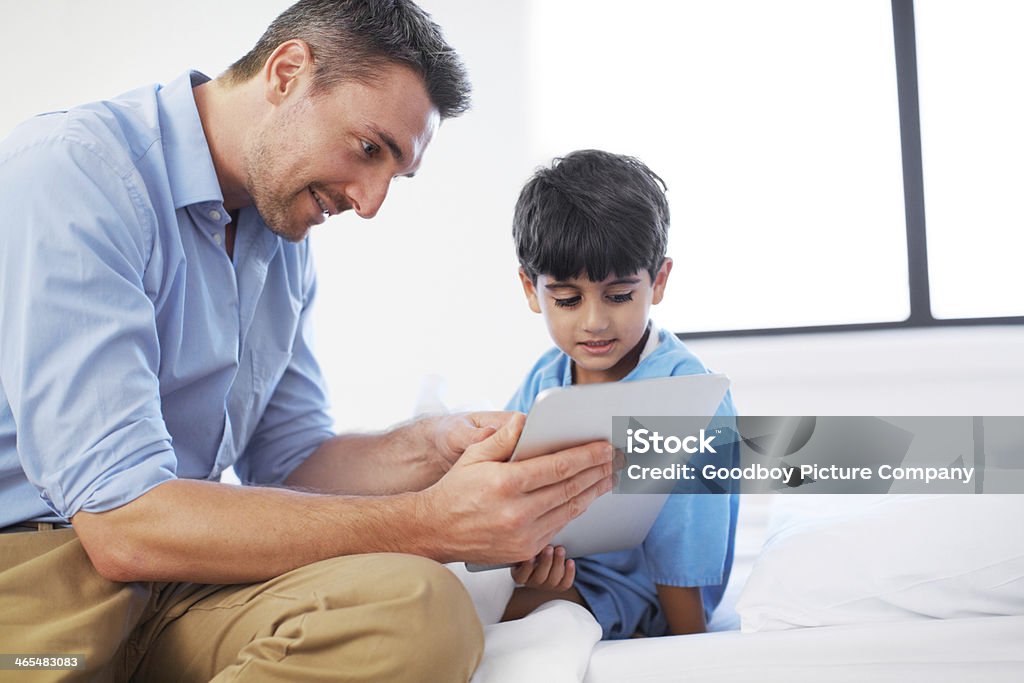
569 416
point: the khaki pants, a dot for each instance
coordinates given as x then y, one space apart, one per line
382 617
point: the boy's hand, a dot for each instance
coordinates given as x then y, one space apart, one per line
548 571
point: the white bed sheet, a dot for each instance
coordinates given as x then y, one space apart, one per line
976 649
979 649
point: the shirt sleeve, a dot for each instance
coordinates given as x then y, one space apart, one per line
545 374
523 398
80 354
690 540
296 420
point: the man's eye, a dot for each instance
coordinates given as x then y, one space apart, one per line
567 303
369 148
621 298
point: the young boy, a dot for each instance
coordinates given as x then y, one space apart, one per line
591 233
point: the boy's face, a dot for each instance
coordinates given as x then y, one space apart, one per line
597 324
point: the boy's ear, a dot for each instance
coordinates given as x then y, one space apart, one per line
660 280
530 290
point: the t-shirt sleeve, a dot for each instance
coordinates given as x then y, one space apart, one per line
80 354
523 398
544 374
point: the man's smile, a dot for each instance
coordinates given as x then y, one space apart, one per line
321 203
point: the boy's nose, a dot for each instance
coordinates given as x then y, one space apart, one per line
595 318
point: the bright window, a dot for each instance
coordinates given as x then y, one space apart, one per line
970 61
775 126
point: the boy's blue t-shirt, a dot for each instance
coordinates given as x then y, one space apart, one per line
691 542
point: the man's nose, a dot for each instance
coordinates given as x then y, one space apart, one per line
367 197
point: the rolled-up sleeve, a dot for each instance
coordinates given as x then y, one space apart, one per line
80 354
296 420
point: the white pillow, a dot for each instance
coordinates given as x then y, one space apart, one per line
887 558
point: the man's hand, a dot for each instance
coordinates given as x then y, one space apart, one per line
549 571
488 510
453 434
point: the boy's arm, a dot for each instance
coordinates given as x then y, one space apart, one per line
684 609
524 600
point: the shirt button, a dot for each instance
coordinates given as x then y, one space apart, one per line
218 238
214 215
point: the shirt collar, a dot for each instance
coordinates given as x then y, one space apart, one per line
653 339
190 170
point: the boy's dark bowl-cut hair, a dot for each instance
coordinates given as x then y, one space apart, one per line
351 40
593 212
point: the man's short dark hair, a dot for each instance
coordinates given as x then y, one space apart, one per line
351 40
592 212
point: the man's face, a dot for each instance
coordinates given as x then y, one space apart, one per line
597 324
320 155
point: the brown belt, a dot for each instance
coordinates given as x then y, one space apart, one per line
29 526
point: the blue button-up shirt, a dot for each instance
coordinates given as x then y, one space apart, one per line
134 350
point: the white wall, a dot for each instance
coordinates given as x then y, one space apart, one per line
429 286
941 371
62 52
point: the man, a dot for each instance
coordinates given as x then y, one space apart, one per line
154 289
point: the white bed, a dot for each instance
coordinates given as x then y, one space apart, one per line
880 641
976 649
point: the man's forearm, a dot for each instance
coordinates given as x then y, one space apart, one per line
485 509
402 459
207 532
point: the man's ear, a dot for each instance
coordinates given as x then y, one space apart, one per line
530 290
660 280
288 66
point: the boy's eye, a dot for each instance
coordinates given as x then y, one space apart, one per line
621 298
369 148
567 303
